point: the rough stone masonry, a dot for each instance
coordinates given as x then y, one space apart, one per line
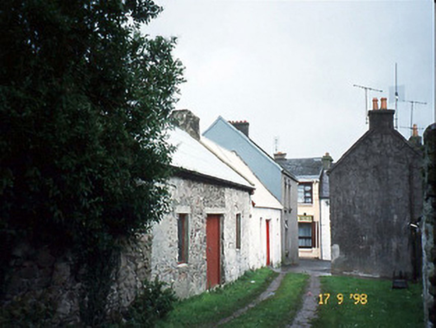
428 226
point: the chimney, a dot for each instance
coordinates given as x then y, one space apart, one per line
374 103
384 103
242 126
187 121
327 161
415 139
279 156
383 118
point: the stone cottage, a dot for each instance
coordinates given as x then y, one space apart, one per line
313 203
376 194
234 136
203 241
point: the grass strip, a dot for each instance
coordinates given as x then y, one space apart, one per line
383 306
278 310
210 307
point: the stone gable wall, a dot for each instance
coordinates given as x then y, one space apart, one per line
376 192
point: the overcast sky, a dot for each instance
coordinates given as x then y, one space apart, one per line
288 67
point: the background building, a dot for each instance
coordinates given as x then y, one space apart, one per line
313 205
376 193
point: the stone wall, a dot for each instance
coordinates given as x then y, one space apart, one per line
428 226
46 286
375 193
198 199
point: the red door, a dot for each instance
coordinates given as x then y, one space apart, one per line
268 255
213 250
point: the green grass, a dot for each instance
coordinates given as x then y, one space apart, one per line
278 310
386 307
210 307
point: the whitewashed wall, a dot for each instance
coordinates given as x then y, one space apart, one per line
325 230
258 237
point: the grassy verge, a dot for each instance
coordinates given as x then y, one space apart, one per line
385 307
278 310
210 307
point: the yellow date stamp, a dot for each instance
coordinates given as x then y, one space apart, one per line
357 299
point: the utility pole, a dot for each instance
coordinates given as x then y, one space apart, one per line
412 102
366 98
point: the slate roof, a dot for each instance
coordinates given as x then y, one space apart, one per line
261 197
191 156
256 147
303 168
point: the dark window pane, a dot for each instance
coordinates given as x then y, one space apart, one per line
182 234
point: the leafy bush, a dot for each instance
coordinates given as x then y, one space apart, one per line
85 100
30 310
153 304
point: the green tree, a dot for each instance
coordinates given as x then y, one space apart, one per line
84 103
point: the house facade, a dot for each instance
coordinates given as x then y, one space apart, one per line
204 241
264 236
376 194
313 203
234 136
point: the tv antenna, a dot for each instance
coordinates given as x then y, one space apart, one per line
366 97
413 102
276 144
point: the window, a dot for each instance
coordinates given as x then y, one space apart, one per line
183 235
306 231
305 235
238 231
305 193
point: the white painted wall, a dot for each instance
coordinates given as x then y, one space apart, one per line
325 230
258 237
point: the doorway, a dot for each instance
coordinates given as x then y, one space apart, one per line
213 251
268 248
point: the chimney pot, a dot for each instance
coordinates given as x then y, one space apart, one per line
415 139
327 161
415 130
279 156
242 126
374 103
384 104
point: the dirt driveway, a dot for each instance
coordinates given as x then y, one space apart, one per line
314 268
311 267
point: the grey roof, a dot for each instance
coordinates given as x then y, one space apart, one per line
303 168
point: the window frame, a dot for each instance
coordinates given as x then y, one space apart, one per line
305 195
182 238
238 236
307 220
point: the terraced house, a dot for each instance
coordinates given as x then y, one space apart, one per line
313 203
376 202
234 136
203 241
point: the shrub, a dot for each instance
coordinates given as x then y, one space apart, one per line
153 304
